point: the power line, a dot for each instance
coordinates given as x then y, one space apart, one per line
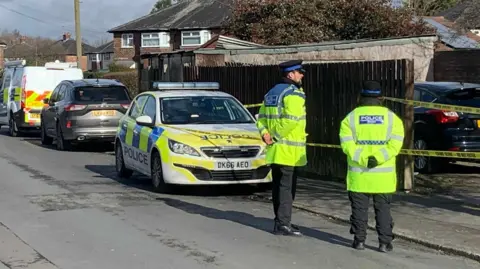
42 21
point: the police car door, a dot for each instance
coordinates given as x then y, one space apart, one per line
144 143
130 153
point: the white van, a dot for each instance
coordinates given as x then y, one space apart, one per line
24 88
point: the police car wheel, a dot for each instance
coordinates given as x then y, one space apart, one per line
11 127
122 170
158 183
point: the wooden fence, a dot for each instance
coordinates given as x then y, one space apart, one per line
331 91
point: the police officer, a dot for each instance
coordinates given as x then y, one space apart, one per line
371 136
282 123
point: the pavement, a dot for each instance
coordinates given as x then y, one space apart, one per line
67 210
449 221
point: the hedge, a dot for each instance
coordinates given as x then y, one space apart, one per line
128 78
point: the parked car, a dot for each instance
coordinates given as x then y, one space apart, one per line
83 110
445 130
23 89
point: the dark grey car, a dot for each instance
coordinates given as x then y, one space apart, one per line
83 111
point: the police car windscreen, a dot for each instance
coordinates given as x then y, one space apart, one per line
203 110
94 95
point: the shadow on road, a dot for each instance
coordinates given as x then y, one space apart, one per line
141 182
259 223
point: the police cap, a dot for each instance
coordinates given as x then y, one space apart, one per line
292 66
371 89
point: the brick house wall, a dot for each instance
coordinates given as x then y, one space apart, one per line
129 53
2 56
73 59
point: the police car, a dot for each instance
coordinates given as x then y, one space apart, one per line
190 134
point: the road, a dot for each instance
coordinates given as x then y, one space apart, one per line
67 210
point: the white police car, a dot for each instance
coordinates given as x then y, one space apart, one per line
190 134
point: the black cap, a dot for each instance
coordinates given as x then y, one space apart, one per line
292 66
371 89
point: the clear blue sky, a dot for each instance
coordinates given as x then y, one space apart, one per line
53 17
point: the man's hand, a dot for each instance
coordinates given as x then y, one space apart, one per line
372 162
267 139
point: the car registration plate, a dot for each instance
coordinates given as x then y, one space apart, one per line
235 165
98 113
35 116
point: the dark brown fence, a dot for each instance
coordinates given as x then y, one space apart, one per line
331 91
458 65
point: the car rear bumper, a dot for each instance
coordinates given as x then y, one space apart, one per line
26 122
101 134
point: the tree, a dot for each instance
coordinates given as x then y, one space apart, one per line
429 7
468 18
160 4
286 22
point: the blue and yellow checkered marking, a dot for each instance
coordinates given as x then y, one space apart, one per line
138 136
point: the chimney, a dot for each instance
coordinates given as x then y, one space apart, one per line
66 36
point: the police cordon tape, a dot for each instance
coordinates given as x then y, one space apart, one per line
464 109
414 152
417 152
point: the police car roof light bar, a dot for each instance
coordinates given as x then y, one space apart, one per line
186 85
15 63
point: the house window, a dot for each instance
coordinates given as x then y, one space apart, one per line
93 57
106 57
156 40
127 40
195 38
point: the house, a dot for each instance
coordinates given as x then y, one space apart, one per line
101 57
449 37
185 25
65 50
3 45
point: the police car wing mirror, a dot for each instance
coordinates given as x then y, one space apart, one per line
145 121
45 101
256 116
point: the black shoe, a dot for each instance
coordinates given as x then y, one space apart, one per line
285 230
359 245
295 227
385 247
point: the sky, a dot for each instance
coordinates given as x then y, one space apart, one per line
51 18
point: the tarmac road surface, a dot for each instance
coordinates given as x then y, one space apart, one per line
67 210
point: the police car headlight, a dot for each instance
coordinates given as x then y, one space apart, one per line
181 148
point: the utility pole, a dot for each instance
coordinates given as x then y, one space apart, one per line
78 35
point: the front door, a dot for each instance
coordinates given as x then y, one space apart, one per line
150 109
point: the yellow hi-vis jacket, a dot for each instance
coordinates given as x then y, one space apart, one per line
371 131
282 115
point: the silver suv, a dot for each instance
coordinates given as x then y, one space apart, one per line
83 110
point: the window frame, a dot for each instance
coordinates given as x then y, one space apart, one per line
135 103
162 36
149 96
125 38
104 57
204 35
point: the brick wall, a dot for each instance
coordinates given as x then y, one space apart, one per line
2 56
73 59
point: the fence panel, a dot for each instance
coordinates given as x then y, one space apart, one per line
331 91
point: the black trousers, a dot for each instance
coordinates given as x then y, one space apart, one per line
359 217
283 192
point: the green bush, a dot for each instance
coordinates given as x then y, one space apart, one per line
89 74
114 67
129 79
